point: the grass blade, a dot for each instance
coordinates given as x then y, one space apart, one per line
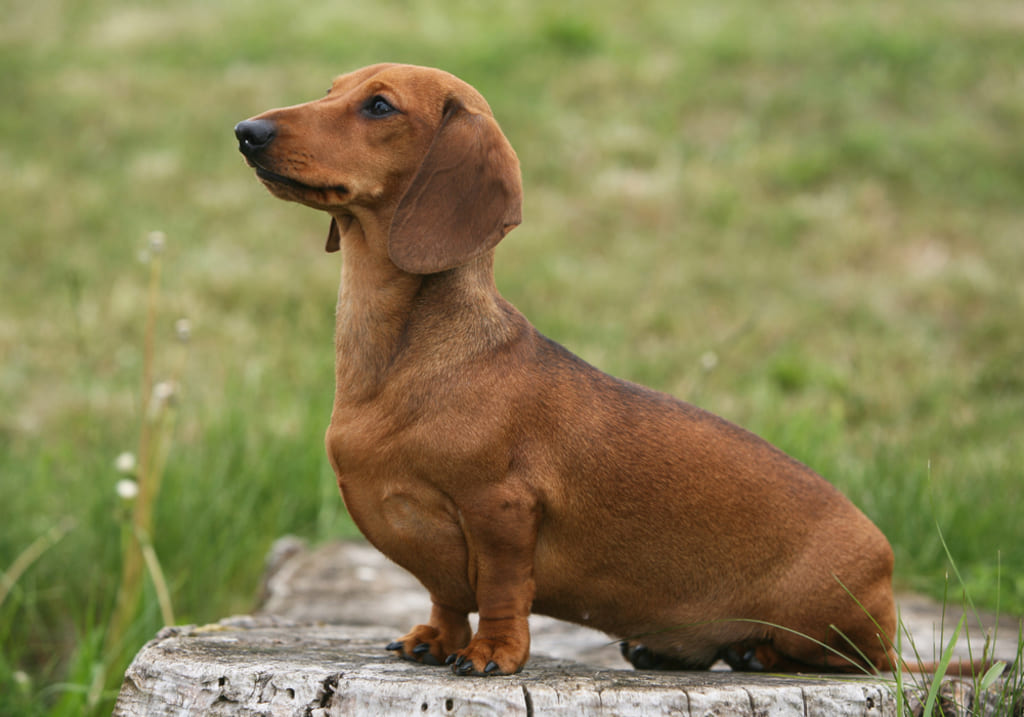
31 554
940 673
993 674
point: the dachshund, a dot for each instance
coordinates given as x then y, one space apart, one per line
510 476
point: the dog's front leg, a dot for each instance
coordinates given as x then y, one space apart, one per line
501 533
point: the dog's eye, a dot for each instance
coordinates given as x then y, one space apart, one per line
377 106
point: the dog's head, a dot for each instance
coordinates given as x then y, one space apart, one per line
412 154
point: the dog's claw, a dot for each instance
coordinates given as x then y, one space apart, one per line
420 653
747 662
465 668
754 664
491 667
642 658
451 658
423 649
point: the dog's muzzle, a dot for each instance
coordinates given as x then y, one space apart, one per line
254 138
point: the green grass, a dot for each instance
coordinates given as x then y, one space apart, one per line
806 221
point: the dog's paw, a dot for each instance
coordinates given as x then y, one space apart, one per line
424 644
485 658
642 657
500 647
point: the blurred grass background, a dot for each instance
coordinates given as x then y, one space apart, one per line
804 217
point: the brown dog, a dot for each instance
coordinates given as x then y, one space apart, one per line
504 472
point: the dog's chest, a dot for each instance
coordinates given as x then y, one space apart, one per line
380 471
400 512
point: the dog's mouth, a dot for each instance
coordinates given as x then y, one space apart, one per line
267 176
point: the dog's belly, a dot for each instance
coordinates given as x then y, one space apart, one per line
687 593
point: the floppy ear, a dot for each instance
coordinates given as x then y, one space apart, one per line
464 198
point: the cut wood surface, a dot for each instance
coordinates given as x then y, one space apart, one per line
315 647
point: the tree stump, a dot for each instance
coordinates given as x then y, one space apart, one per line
315 648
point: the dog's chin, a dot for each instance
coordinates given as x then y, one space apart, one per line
294 191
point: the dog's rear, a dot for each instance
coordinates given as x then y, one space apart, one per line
671 527
507 474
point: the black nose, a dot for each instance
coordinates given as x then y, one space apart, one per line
254 135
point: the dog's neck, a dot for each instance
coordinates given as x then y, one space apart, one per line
384 312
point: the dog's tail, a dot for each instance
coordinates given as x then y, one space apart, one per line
955 668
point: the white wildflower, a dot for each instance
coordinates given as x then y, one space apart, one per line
183 328
163 394
157 240
127 489
708 360
164 391
23 681
125 463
